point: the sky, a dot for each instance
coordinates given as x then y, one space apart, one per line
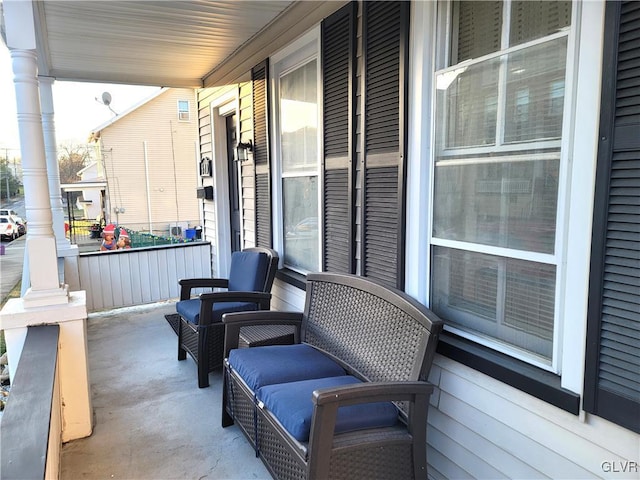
76 111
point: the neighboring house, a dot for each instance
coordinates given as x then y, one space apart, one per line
149 159
482 156
92 200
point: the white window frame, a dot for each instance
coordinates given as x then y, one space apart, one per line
303 50
579 147
184 115
555 258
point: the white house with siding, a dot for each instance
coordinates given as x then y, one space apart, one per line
149 156
462 152
482 156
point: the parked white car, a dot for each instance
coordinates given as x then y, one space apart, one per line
8 228
5 212
21 222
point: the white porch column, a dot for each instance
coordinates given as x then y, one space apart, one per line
67 253
51 155
45 287
46 301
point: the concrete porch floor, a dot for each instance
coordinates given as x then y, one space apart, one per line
151 421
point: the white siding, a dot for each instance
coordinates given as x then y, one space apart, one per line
137 276
286 297
482 428
170 171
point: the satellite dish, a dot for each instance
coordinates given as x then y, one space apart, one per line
106 98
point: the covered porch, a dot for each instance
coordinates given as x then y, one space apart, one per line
119 391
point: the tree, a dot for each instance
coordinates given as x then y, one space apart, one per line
72 159
9 184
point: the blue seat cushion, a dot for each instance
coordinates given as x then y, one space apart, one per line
291 403
190 309
248 271
259 366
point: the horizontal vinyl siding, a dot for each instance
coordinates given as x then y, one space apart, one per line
480 428
286 297
172 164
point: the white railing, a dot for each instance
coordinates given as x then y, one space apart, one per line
137 276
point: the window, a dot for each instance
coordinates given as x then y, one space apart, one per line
499 116
183 110
296 76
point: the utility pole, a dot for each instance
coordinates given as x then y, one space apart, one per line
6 163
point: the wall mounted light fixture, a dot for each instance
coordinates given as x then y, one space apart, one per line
243 150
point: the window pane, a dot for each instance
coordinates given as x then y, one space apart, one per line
299 119
467 102
300 205
479 29
531 20
509 300
535 92
503 204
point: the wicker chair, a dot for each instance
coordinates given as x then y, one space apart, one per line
200 328
357 343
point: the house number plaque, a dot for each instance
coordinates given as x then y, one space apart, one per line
205 167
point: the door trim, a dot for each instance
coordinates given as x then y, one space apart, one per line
220 108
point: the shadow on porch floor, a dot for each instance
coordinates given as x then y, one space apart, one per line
151 421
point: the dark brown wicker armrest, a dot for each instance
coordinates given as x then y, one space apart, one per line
328 400
235 321
187 284
262 299
371 392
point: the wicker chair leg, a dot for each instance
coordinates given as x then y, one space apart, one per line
182 353
227 420
203 359
203 376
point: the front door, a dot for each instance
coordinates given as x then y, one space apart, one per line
234 189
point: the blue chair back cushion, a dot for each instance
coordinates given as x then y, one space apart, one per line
248 271
190 309
259 366
291 404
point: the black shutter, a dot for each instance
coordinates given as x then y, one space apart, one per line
385 72
259 79
612 374
338 72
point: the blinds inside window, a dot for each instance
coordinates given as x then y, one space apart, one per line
531 20
479 29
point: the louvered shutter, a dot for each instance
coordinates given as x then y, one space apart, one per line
338 71
385 56
612 376
259 79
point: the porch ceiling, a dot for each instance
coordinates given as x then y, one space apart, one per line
164 43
